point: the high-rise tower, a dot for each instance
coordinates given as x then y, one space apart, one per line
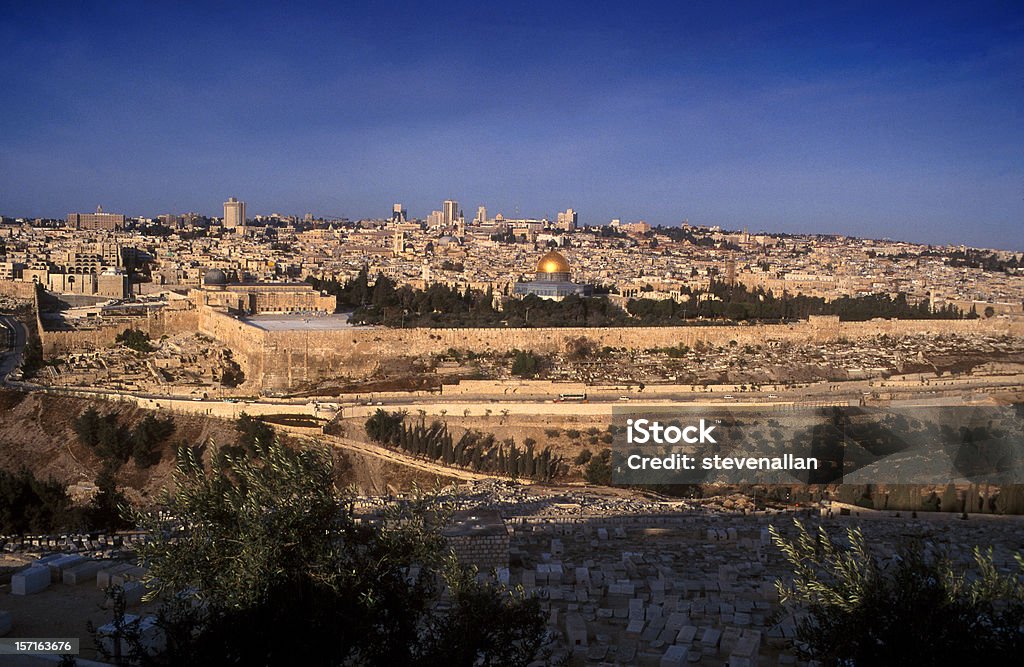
234 213
450 212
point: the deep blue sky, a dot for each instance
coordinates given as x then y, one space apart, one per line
871 120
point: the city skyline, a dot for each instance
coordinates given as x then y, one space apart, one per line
870 122
427 215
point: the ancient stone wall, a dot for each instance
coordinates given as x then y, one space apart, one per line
18 289
157 324
247 343
293 358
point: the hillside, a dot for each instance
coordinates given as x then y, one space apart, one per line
37 432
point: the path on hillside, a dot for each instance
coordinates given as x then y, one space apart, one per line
14 345
401 458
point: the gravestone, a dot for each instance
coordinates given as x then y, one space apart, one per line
82 572
30 581
576 631
675 656
686 635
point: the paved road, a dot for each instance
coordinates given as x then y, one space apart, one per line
13 338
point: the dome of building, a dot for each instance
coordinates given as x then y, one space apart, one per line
552 262
552 281
215 278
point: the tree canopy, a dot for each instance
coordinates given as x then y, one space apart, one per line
259 559
914 607
441 305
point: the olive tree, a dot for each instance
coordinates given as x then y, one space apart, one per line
259 559
916 606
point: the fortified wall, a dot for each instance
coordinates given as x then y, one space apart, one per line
155 325
17 289
293 358
289 359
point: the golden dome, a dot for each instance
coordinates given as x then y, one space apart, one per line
552 262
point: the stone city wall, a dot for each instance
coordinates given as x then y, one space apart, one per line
18 289
293 358
247 343
156 324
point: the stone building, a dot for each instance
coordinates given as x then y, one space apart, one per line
256 298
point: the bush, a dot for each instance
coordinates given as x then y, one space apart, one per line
252 432
147 436
525 364
31 505
231 374
915 609
600 469
135 339
583 457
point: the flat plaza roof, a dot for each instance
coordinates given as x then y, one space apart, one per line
298 322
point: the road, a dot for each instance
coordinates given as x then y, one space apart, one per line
13 334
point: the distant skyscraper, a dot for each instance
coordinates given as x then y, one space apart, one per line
567 220
399 214
481 215
234 213
450 211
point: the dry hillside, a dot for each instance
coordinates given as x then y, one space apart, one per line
37 432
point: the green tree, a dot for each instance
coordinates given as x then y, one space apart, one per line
32 359
252 431
109 506
916 608
385 427
599 469
28 504
146 438
87 427
135 339
525 364
274 569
